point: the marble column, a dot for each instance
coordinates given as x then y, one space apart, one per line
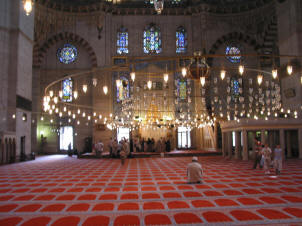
288 144
263 140
271 139
253 143
230 144
237 144
282 141
245 145
300 142
216 135
223 144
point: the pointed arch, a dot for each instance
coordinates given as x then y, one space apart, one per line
234 36
40 51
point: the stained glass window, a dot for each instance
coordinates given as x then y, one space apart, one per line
122 41
235 86
67 90
67 54
182 89
122 92
181 40
152 39
233 50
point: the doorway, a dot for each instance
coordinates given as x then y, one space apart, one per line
22 144
184 137
123 133
66 137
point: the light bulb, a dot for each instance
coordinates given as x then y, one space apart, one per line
184 72
259 79
275 73
118 83
202 81
51 93
55 100
149 84
64 109
28 7
132 75
222 74
289 69
85 87
105 90
241 69
75 94
94 82
166 77
60 93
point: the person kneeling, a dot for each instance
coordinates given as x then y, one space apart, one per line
194 171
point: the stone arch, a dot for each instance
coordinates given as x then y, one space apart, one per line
270 43
40 51
238 36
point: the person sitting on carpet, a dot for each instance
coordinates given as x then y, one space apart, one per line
194 171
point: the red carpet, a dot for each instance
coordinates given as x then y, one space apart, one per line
64 191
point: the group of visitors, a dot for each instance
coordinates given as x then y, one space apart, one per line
264 156
150 145
119 149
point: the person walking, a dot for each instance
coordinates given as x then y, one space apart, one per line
278 159
194 171
267 152
258 155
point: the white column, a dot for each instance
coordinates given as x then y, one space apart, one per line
300 142
237 144
288 144
282 141
230 144
245 145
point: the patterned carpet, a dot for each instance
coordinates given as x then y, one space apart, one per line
60 190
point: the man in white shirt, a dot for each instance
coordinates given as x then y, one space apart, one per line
194 171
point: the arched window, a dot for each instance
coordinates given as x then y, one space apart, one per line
122 91
235 86
67 90
122 41
233 49
67 54
152 39
182 89
181 40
